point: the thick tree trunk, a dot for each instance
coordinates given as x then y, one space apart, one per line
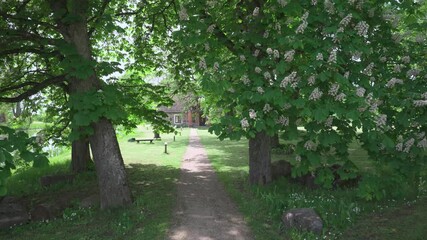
260 159
110 170
80 155
113 186
275 141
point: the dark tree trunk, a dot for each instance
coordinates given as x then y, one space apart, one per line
260 159
156 134
113 186
110 170
275 141
80 156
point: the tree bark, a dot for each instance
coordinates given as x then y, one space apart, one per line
275 141
260 159
80 155
110 170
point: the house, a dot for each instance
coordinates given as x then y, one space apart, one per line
180 115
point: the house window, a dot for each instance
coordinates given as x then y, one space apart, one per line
177 118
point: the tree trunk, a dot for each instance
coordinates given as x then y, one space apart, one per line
113 186
275 141
156 134
80 155
110 170
260 159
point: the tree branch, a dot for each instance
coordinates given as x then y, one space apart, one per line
37 87
98 17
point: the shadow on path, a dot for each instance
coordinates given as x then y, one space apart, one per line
204 211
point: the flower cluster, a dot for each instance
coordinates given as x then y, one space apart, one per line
393 81
260 90
242 58
422 144
211 28
267 108
408 145
315 95
406 59
267 75
420 103
360 91
276 53
329 121
333 90
282 2
332 56
284 121
412 73
258 70
245 80
256 12
346 20
340 97
301 28
256 53
290 79
310 145
252 114
362 28
216 66
244 123
183 16
329 7
381 120
319 57
347 75
368 70
311 80
202 63
289 56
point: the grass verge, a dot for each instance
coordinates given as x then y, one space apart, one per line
340 210
152 175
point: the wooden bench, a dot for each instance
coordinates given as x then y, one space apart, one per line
144 140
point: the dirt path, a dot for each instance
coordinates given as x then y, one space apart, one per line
204 211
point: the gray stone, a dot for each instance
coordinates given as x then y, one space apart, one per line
12 214
302 219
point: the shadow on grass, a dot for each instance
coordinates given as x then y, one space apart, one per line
153 189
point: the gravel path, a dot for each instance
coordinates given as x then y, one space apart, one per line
204 211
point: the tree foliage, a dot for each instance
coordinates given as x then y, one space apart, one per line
333 67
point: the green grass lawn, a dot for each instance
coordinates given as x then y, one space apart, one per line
341 210
152 175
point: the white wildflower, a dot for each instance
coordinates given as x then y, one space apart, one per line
315 95
329 7
393 81
258 70
301 28
242 58
286 106
360 91
412 73
419 39
288 80
256 53
383 59
266 34
244 122
397 68
362 28
252 114
269 51
319 57
260 90
298 158
421 135
424 95
289 55
267 75
231 90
